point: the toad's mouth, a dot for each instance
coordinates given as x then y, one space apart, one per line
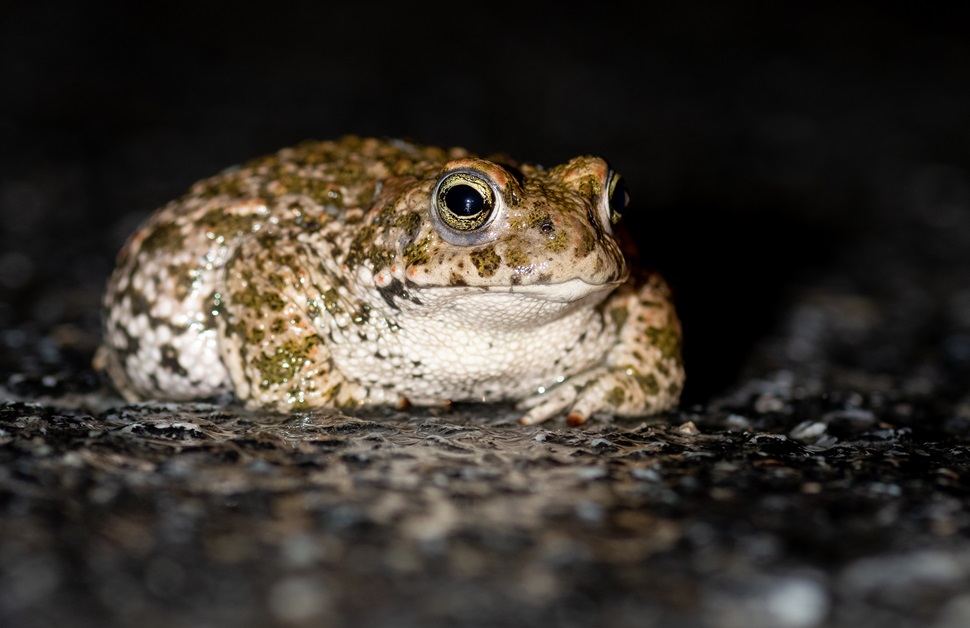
563 292
506 308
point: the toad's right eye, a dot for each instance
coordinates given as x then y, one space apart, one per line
464 201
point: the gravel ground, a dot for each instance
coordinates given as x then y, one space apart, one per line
804 180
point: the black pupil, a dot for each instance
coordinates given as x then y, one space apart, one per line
620 197
464 200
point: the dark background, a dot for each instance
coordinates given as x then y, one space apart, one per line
766 144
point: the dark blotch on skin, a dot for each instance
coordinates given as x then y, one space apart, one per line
540 219
167 236
667 340
417 253
515 258
396 290
170 360
589 242
486 261
410 224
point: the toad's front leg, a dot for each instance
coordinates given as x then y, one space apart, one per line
642 374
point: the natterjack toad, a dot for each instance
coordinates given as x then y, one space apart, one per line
365 272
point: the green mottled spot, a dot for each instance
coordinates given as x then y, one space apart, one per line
401 167
361 246
271 371
381 257
280 367
538 217
667 340
248 297
273 249
620 315
457 280
515 258
350 174
557 242
409 223
273 301
417 252
362 315
330 393
616 397
590 186
251 298
486 261
366 195
255 335
139 303
184 282
587 245
387 216
300 349
164 237
226 223
331 301
278 326
647 382
318 190
277 281
312 309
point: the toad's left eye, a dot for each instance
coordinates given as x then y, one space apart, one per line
619 197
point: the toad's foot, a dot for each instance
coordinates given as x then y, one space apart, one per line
622 392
